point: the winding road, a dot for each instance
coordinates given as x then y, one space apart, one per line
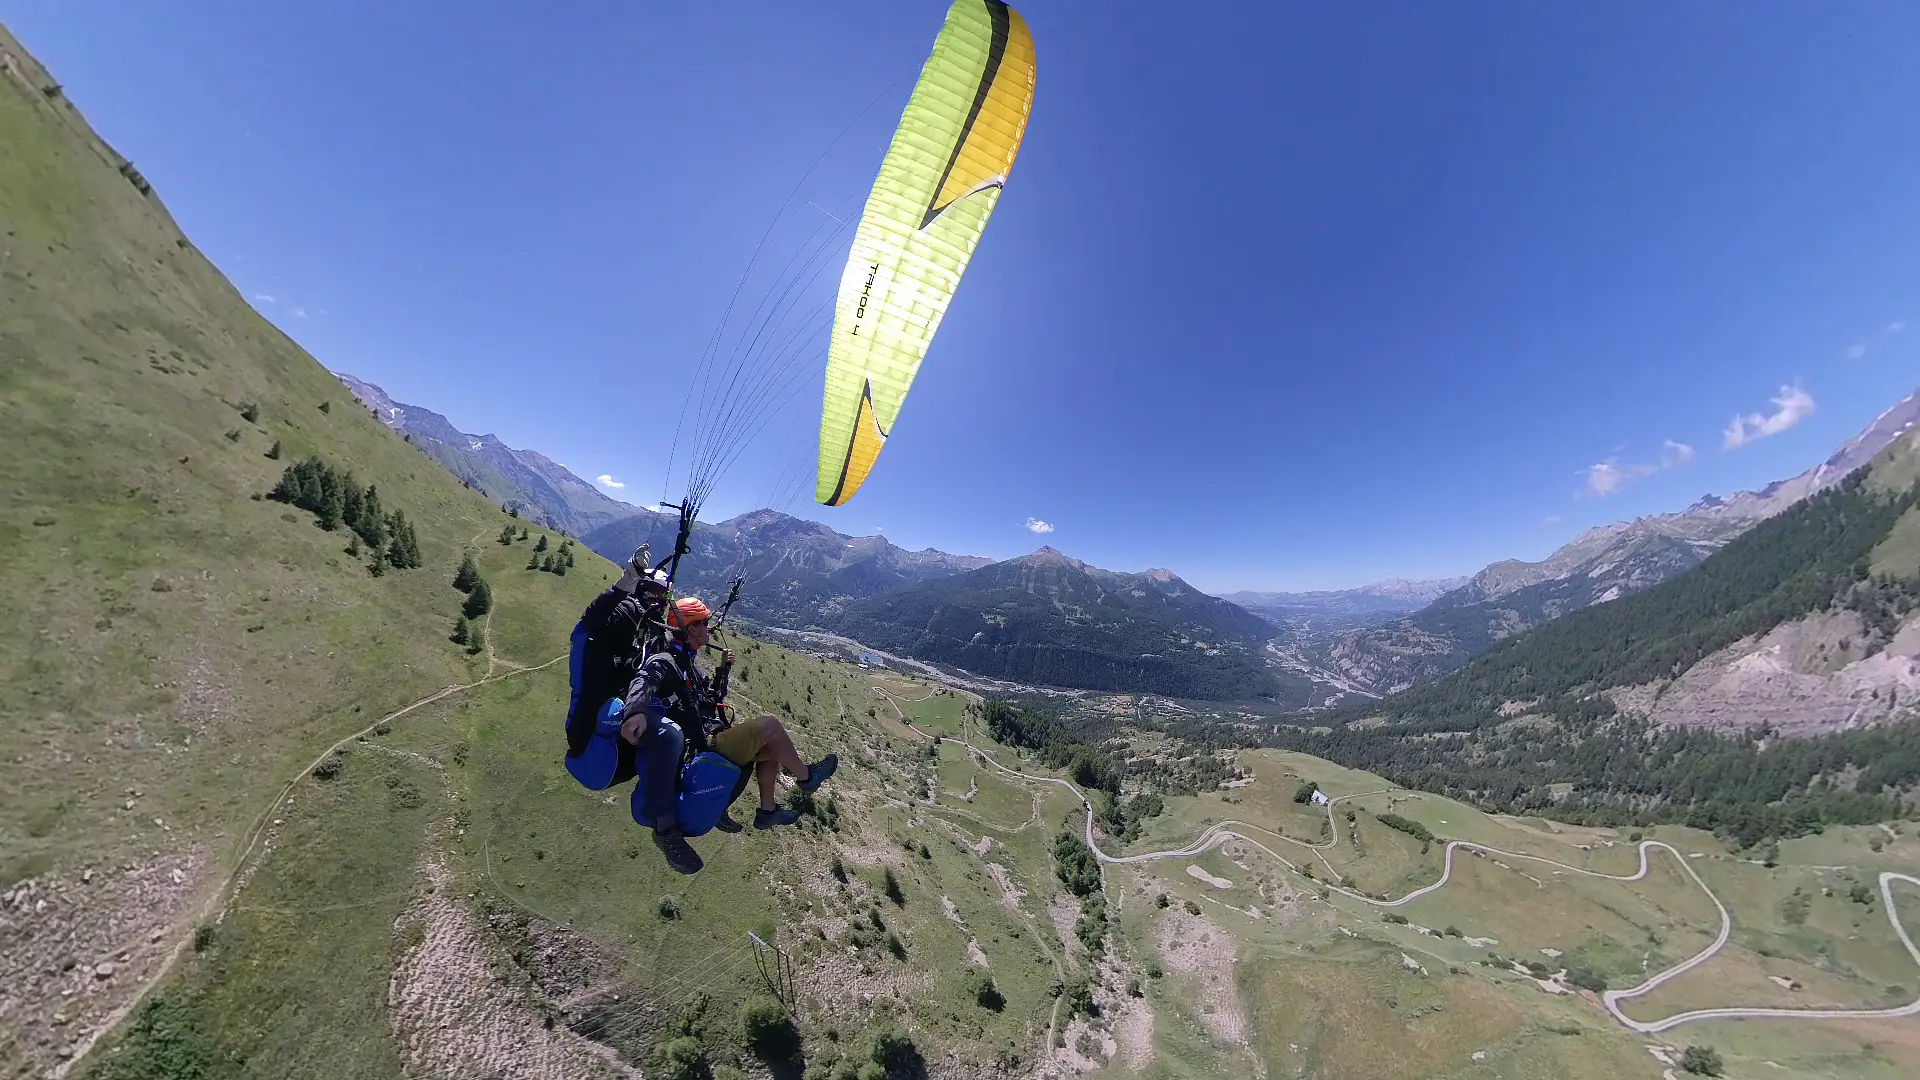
1221 832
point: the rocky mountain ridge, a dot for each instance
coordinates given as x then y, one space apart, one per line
1599 565
540 489
795 573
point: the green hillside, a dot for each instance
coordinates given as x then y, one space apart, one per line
175 645
1533 725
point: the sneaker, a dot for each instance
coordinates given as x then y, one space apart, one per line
681 857
818 772
726 823
767 819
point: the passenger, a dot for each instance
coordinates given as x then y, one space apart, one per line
672 703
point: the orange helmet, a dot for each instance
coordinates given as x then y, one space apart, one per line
687 609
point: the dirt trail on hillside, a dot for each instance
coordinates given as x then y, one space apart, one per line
221 896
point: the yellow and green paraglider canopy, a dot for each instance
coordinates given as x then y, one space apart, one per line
937 186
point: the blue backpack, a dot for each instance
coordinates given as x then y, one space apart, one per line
708 785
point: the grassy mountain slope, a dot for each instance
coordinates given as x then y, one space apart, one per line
174 647
164 621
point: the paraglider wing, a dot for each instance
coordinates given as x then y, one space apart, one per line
937 186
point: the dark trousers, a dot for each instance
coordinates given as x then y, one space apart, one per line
661 745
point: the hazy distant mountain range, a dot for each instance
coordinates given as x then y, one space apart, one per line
1047 617
1050 619
795 573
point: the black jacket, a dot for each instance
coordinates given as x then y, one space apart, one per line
619 634
668 681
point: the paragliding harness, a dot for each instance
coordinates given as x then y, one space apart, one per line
709 783
596 762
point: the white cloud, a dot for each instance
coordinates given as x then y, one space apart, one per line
1550 519
1792 405
1037 526
299 312
264 298
1859 352
1606 477
607 480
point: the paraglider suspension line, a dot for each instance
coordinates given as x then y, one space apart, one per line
688 508
776 970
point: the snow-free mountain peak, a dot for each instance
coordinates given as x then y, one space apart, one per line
524 480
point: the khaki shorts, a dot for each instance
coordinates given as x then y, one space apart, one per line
742 744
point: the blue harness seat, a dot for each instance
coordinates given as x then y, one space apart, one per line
707 787
597 765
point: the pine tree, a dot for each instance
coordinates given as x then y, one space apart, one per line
468 573
353 545
333 504
523 530
542 545
560 567
403 551
373 518
506 536
479 599
477 639
354 503
462 633
533 562
297 485
546 563
273 452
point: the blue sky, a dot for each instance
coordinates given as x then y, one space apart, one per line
1278 296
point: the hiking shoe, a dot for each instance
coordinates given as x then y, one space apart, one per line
726 823
681 857
818 772
767 819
